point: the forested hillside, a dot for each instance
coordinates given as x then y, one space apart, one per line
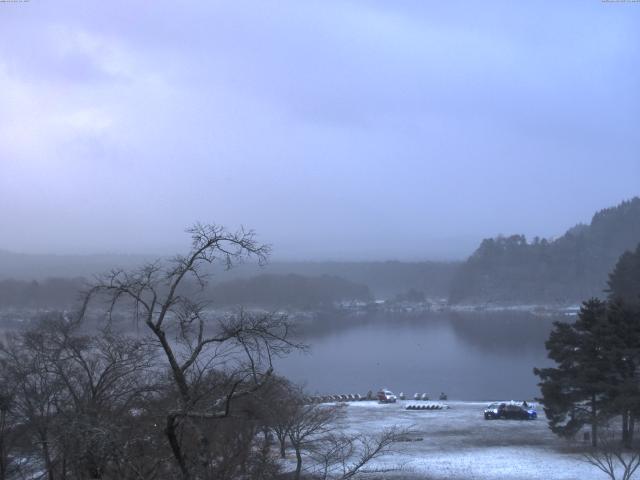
567 269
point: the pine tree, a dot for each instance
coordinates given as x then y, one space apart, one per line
624 280
597 376
577 391
623 314
623 354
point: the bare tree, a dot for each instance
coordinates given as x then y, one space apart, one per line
192 342
308 425
98 405
36 398
342 456
314 432
74 394
105 376
7 427
4 457
612 457
286 400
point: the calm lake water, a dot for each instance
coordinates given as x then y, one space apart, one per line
475 356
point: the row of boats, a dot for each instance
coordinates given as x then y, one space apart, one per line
387 396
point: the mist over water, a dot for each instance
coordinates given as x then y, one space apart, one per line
467 356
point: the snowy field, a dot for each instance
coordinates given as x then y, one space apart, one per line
459 444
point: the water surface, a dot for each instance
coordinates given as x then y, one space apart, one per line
468 356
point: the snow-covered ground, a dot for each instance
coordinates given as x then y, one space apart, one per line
459 444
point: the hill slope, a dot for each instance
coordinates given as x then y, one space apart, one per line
568 269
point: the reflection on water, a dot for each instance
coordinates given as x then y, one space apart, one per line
468 356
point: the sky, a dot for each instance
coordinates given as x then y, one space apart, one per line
364 130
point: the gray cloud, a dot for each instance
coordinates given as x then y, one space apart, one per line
336 129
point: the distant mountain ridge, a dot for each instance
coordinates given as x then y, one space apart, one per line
570 268
509 269
385 279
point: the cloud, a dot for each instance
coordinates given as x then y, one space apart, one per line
328 126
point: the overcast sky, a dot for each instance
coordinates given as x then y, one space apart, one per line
337 130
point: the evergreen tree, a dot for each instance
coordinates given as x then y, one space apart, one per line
597 376
576 392
624 280
624 339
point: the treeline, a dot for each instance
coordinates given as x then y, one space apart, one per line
570 268
273 291
385 279
53 293
288 291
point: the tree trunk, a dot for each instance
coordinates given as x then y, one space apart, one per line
3 462
632 427
625 428
63 469
594 422
267 439
47 455
3 459
203 451
175 446
282 440
298 463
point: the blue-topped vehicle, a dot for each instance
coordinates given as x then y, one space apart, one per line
510 411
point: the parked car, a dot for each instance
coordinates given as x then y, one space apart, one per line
386 396
510 411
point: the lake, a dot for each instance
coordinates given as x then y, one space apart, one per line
471 356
